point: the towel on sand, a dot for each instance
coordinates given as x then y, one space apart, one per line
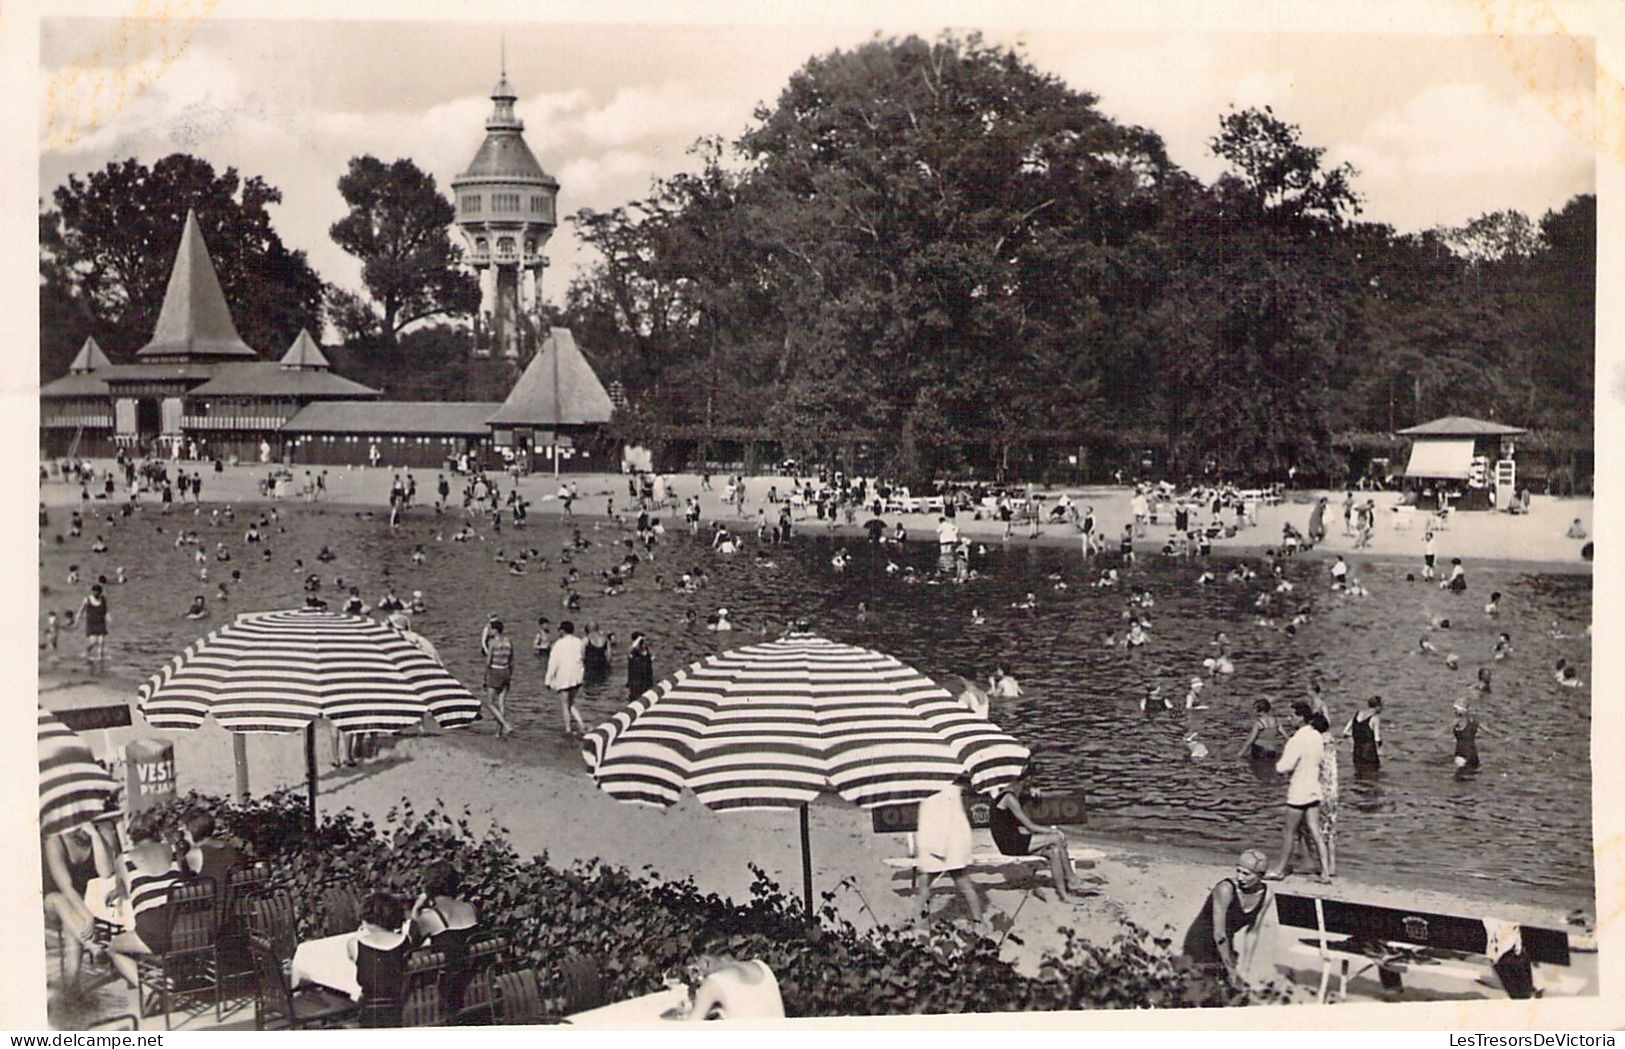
943 840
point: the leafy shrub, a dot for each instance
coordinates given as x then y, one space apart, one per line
638 928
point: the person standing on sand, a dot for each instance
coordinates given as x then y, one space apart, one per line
1234 908
1301 760
1317 522
566 669
498 673
1429 555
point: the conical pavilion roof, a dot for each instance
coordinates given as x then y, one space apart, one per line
195 323
558 388
305 355
90 358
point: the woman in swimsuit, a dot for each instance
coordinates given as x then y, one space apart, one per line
1465 729
595 656
1232 909
445 922
379 951
1017 835
1263 742
148 873
1365 728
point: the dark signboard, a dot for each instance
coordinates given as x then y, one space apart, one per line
1060 808
83 719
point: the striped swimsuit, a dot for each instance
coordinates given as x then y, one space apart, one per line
149 906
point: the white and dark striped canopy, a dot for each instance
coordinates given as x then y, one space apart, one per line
772 726
279 671
73 789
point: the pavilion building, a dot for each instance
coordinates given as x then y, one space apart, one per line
1466 461
196 389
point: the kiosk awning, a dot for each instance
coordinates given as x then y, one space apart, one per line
1441 459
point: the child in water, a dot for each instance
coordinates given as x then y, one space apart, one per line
198 609
1494 607
1503 645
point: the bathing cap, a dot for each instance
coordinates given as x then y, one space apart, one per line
1254 860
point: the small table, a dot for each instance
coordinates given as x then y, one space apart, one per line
326 963
643 1010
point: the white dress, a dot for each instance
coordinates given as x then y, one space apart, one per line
943 840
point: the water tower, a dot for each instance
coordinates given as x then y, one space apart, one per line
505 210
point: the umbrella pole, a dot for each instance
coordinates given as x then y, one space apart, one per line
239 755
310 770
806 861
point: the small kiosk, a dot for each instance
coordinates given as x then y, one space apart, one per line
1462 463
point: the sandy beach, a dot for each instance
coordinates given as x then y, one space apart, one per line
538 789
1536 539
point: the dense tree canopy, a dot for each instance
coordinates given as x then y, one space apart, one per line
107 246
399 226
935 247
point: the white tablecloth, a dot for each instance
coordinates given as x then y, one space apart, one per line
326 962
644 1010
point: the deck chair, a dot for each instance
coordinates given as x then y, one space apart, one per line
341 910
186 972
581 983
421 1004
516 998
271 918
478 1010
232 963
278 1007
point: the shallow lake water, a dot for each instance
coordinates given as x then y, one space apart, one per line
1524 818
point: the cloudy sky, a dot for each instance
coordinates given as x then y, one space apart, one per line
1442 128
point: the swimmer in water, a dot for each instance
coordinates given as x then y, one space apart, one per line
1155 700
1503 646
1494 607
1565 674
1425 647
863 610
1136 636
198 609
1196 750
721 623
976 617
1003 684
1028 602
1194 694
1452 661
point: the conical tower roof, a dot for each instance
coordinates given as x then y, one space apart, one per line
305 355
195 323
90 358
558 388
504 155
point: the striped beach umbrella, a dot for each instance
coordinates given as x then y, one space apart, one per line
283 671
73 788
774 725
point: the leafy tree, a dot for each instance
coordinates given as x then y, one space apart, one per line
399 227
107 247
1274 175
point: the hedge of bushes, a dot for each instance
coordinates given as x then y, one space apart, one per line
639 927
